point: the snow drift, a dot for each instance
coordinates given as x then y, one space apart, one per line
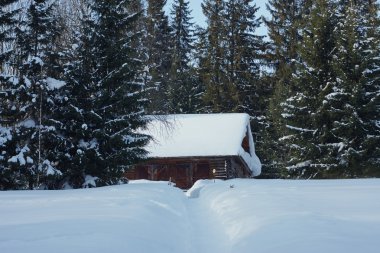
240 215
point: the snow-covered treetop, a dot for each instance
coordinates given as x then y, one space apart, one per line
202 135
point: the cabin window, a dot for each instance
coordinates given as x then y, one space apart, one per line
245 143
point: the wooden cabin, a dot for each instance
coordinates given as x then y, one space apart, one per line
186 148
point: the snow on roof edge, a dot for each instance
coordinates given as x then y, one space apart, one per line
251 159
201 133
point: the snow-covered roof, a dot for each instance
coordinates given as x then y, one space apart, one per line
202 135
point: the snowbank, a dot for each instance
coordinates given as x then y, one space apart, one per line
296 216
129 218
240 215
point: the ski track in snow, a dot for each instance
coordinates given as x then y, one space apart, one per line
244 216
206 232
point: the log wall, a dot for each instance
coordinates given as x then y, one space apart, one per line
184 172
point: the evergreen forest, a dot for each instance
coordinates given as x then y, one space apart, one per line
78 77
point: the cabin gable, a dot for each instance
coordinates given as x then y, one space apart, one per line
245 143
186 148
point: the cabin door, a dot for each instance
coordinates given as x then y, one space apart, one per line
201 171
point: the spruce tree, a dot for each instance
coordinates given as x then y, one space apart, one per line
8 21
244 54
78 157
301 113
34 95
106 103
284 35
351 100
218 96
285 38
183 91
137 6
230 61
8 27
371 109
158 45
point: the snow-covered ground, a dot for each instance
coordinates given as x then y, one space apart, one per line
253 216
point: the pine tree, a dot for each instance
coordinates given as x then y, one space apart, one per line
158 45
106 103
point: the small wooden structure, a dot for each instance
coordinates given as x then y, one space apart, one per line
186 148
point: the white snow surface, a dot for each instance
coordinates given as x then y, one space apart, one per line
240 215
202 135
